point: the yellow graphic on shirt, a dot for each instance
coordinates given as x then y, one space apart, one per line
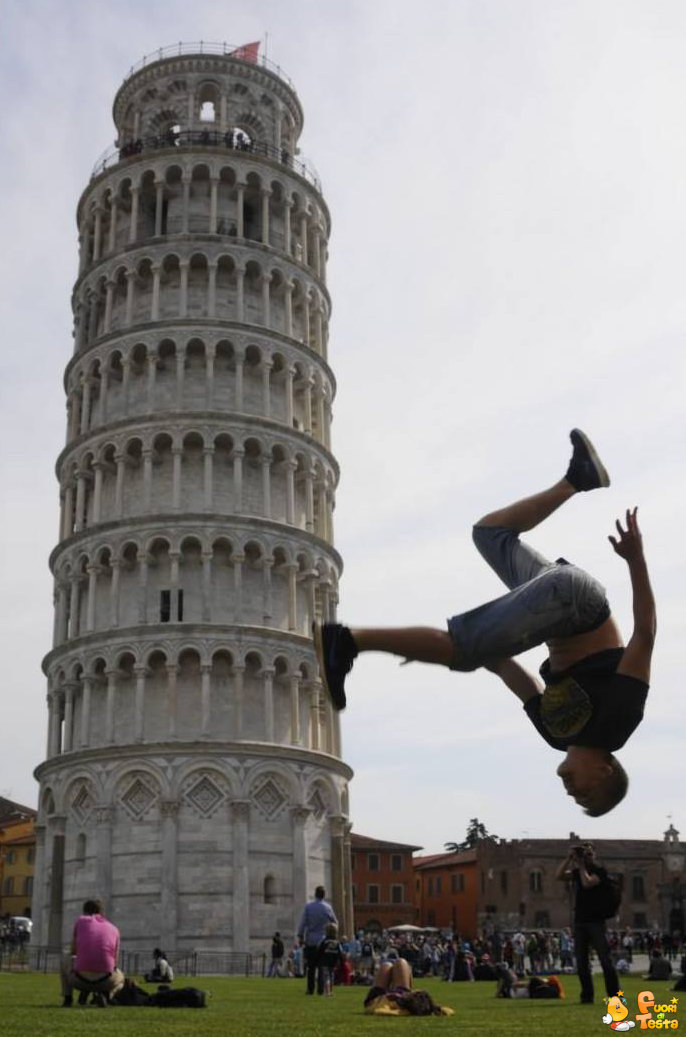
566 708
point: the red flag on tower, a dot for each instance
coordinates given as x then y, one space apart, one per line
248 52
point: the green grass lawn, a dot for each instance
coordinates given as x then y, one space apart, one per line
29 1007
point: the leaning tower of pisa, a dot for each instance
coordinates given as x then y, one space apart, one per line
193 777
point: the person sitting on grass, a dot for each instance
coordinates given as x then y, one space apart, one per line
594 688
162 971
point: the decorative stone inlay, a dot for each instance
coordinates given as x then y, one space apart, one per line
82 803
269 799
318 805
204 795
138 798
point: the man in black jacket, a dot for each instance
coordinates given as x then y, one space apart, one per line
590 883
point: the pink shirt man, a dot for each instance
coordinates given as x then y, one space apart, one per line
97 943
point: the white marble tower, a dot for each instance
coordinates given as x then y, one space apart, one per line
193 775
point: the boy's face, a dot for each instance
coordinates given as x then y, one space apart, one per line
583 772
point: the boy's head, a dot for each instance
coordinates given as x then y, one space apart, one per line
331 931
594 777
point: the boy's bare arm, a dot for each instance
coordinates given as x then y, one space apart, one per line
524 685
638 653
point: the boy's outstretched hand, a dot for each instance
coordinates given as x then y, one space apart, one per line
629 546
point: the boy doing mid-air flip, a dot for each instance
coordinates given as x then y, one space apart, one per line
594 688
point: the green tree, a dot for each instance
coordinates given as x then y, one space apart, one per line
476 832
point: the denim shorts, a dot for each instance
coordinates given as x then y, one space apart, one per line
546 600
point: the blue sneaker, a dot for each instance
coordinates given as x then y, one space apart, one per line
586 471
336 652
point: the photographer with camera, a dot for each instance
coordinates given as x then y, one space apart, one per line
594 901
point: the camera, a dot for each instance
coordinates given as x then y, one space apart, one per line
579 851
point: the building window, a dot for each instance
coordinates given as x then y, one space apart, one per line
165 606
418 884
439 884
640 920
372 894
431 915
396 862
270 890
503 882
373 862
8 887
430 888
9 857
28 885
397 894
536 881
179 613
637 888
31 854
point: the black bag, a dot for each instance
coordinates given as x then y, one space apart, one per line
130 994
184 997
608 897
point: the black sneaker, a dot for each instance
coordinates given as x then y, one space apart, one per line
336 651
67 1003
586 471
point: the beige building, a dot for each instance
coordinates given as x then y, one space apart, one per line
193 775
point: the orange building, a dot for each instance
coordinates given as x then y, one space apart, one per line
383 881
447 891
17 856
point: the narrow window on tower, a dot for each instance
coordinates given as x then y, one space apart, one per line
165 606
179 608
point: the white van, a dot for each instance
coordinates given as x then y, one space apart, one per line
22 922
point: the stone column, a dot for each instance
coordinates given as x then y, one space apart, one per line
337 866
239 674
308 406
267 564
85 405
266 310
92 571
104 389
290 375
55 873
143 588
120 462
186 182
109 298
266 485
172 698
74 607
79 522
240 361
54 720
112 243
97 234
295 737
169 880
155 303
288 305
133 224
213 204
174 558
268 679
130 289
39 933
139 708
303 236
309 499
238 455
152 375
300 878
288 244
266 194
290 491
212 288
176 477
205 699
85 712
180 377
240 294
68 525
159 204
241 877
315 736
208 463
183 290
146 454
111 676
240 201
97 490
238 560
207 586
292 570
267 366
115 566
104 817
62 614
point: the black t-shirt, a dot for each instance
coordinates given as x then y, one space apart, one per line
587 902
588 704
330 952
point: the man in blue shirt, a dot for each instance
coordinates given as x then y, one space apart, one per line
315 917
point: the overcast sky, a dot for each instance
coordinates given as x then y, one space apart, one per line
506 181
